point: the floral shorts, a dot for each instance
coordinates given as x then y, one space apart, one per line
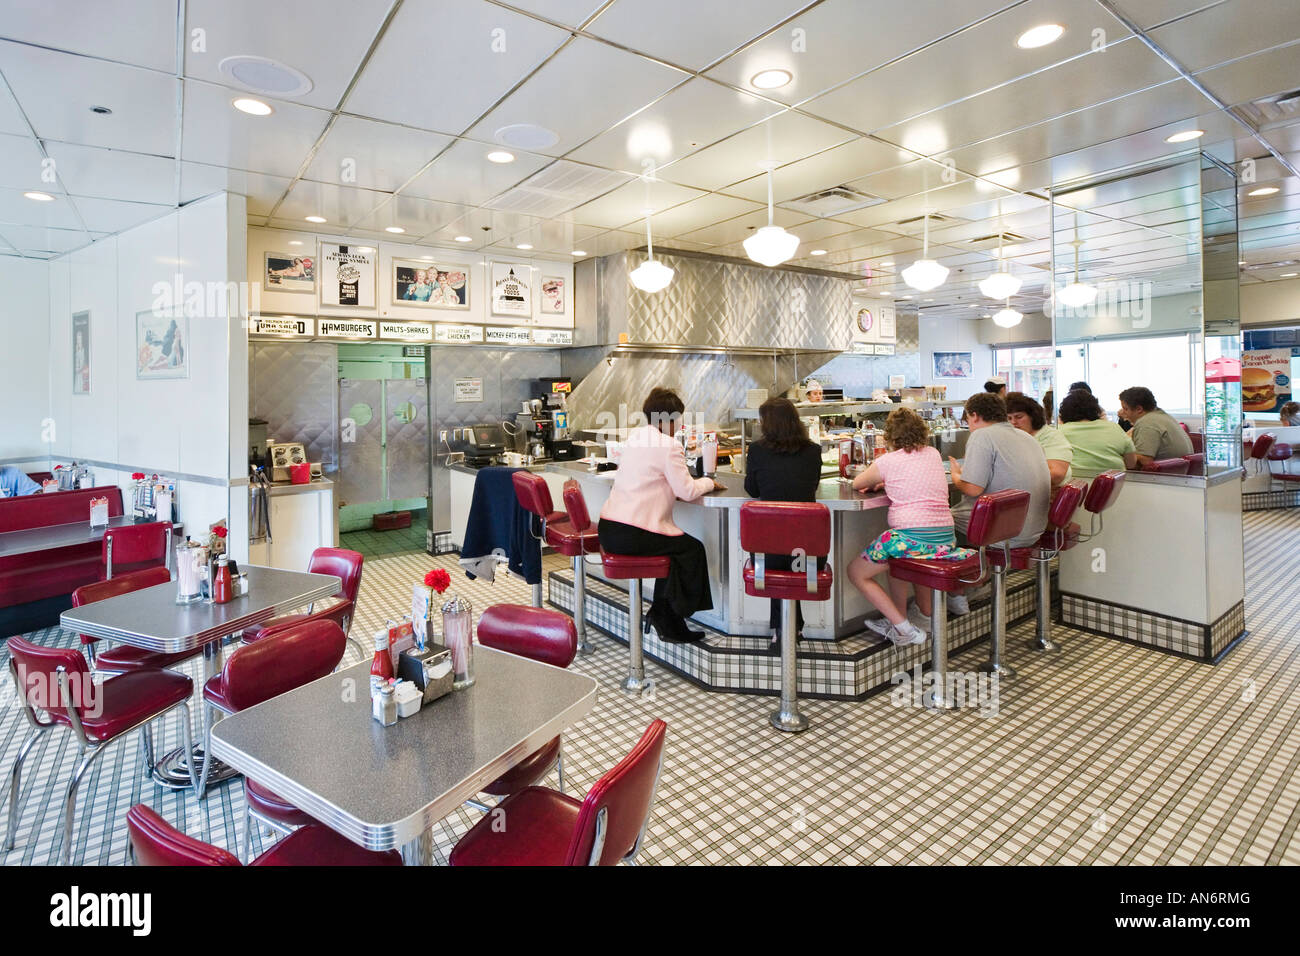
896 543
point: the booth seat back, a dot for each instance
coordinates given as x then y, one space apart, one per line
57 507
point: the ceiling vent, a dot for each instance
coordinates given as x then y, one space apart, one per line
991 242
915 223
557 189
1281 109
832 202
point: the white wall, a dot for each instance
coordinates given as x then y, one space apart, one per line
955 335
1264 303
172 427
24 360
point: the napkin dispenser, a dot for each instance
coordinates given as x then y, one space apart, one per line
428 669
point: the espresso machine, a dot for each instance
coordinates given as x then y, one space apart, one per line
542 424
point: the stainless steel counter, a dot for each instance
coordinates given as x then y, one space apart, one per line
278 488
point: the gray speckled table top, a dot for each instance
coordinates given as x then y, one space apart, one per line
381 787
52 536
151 618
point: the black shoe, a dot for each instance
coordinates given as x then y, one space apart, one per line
673 630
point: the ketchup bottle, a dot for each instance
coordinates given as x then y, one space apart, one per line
221 582
381 666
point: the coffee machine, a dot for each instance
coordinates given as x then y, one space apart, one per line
542 424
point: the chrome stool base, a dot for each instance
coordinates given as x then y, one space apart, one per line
173 772
787 717
636 686
792 722
585 647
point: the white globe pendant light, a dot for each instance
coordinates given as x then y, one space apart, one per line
925 274
651 275
1077 294
1007 318
1001 284
771 245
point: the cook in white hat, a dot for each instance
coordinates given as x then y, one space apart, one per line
813 390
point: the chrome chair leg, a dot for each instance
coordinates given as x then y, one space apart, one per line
936 696
70 802
559 766
787 717
635 682
15 775
146 742
997 636
201 784
580 604
244 848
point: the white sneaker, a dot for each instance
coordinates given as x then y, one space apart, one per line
879 625
906 634
916 617
958 604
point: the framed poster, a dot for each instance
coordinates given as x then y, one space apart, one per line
161 345
953 364
430 285
81 353
511 294
288 273
888 323
347 276
553 295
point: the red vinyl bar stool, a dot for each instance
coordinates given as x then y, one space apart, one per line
1054 539
535 497
1260 448
576 539
1282 452
155 842
124 658
57 681
542 635
632 568
1168 466
256 672
547 828
1102 493
801 529
995 519
136 547
347 567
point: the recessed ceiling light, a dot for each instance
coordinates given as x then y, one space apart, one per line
885 292
579 252
1040 35
927 300
314 218
246 104
817 252
295 242
364 249
259 74
101 110
972 306
525 246
904 296
887 263
464 239
770 79
39 197
394 229
1185 135
526 136
500 156
1289 275
427 258
1263 191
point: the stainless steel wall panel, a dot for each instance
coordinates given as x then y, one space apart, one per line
294 387
407 442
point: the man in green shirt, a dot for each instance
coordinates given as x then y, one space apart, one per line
1156 434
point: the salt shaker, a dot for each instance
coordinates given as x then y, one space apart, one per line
384 705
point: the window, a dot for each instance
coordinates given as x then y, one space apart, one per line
1027 370
1163 364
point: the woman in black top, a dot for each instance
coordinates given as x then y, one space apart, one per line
782 465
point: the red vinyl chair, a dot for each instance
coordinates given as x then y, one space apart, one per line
136 547
1259 450
793 528
57 681
575 539
155 842
347 567
534 496
547 828
995 519
540 635
123 658
1195 463
1282 451
1168 466
283 660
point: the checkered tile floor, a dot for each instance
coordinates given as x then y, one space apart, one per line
1104 753
381 544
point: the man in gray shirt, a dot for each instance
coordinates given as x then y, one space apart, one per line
999 456
1156 434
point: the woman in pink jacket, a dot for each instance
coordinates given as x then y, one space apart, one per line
638 515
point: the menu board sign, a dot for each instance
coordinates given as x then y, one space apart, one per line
553 336
281 325
347 276
1265 379
346 329
507 336
406 331
457 334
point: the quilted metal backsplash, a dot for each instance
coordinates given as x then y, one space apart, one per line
294 386
858 375
713 302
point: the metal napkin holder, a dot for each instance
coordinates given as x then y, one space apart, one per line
428 669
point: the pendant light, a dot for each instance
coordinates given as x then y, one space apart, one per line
1077 294
925 274
771 245
651 275
1001 284
1007 317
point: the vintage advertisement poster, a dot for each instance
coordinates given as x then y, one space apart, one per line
81 353
1265 380
347 276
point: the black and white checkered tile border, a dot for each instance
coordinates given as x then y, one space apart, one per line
850 669
1202 642
1265 500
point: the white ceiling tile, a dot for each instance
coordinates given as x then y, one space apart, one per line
1254 77
738 229
139 32
21 165
114 174
217 133
111 215
484 226
57 90
628 203
1227 31
11 118
558 188
692 116
325 44
841 39
418 217
569 13
784 138
701 212
262 192
36 239
656 27
463 174
440 66
17 209
584 90
1149 13
374 155
340 205
833 167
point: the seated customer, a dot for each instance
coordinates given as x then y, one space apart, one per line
998 458
1088 388
1098 445
997 385
783 465
1290 413
14 482
1027 415
1156 434
911 473
638 515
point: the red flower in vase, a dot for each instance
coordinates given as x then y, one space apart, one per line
220 531
137 475
438 579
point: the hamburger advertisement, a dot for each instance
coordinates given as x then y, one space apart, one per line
1265 380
